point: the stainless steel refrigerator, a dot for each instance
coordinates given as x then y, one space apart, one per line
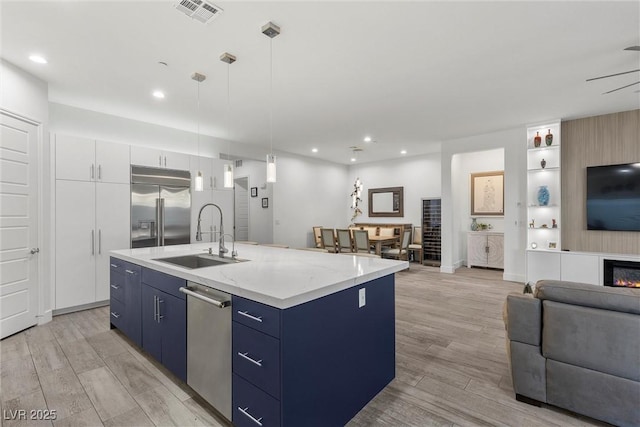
160 207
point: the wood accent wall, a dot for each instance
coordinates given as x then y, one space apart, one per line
594 141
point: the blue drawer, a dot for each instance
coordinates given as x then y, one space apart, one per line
117 265
256 315
164 282
116 283
250 402
117 314
256 358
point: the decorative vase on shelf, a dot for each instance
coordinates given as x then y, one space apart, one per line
537 140
543 163
474 225
543 195
548 138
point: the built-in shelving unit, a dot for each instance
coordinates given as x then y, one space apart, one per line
431 231
543 169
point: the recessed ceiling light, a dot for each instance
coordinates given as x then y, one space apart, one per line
367 139
38 59
403 152
353 159
158 94
314 150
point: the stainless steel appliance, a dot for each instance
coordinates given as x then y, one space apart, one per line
160 207
209 345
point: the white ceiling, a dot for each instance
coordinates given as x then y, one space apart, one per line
410 74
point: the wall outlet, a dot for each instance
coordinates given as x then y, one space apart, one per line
361 298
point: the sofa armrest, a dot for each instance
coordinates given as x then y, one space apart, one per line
524 319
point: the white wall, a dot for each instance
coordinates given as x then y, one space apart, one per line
26 95
419 175
462 166
512 141
260 219
309 192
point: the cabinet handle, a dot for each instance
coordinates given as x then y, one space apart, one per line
100 172
158 302
211 182
155 308
254 361
92 171
114 265
248 415
99 241
245 314
115 287
130 272
93 242
160 160
116 315
165 161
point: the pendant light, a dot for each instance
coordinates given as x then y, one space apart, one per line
199 181
271 30
228 167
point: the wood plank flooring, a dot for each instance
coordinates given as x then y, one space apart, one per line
451 367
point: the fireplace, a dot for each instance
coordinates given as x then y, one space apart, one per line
624 274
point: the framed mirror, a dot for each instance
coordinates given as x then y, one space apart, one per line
386 202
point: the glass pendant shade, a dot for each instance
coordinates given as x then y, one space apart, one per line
271 168
199 183
228 175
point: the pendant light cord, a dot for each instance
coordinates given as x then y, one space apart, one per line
271 94
198 121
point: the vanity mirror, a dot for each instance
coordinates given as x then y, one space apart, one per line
386 202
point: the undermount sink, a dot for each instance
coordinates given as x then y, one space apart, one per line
199 260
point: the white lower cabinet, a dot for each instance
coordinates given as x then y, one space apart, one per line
91 219
485 249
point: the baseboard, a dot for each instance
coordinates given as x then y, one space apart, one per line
80 307
45 318
520 278
447 269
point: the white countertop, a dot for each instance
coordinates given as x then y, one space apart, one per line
277 277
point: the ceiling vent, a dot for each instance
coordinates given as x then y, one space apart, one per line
199 10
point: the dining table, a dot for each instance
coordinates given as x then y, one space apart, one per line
380 241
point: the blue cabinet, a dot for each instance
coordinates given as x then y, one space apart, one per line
315 364
164 320
124 281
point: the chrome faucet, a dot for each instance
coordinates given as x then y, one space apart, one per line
221 249
234 254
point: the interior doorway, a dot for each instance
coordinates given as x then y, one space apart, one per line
241 209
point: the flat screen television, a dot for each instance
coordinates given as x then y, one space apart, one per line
613 197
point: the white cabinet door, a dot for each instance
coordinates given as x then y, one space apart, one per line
145 156
172 160
112 162
75 158
112 228
579 268
495 242
76 243
476 249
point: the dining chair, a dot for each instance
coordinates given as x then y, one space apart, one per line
329 239
317 236
345 243
415 247
361 238
401 252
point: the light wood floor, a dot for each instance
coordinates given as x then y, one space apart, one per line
451 366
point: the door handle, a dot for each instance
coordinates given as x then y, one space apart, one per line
92 171
34 251
165 161
155 308
100 172
159 315
99 241
162 221
93 242
158 228
160 160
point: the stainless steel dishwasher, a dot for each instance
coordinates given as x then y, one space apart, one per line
209 345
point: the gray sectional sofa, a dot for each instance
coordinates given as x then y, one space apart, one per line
577 346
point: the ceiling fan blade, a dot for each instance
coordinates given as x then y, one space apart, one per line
632 84
613 75
633 48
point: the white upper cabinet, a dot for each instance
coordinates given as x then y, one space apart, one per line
75 158
153 157
83 159
112 162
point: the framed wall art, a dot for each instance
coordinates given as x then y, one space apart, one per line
487 193
265 202
254 191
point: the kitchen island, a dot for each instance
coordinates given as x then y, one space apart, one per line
311 335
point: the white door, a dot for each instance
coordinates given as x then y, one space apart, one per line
112 228
75 158
18 225
241 207
112 162
76 243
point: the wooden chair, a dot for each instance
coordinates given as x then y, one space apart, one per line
401 252
317 236
329 240
415 246
361 239
345 243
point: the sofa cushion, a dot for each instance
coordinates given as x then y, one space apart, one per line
601 340
626 300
